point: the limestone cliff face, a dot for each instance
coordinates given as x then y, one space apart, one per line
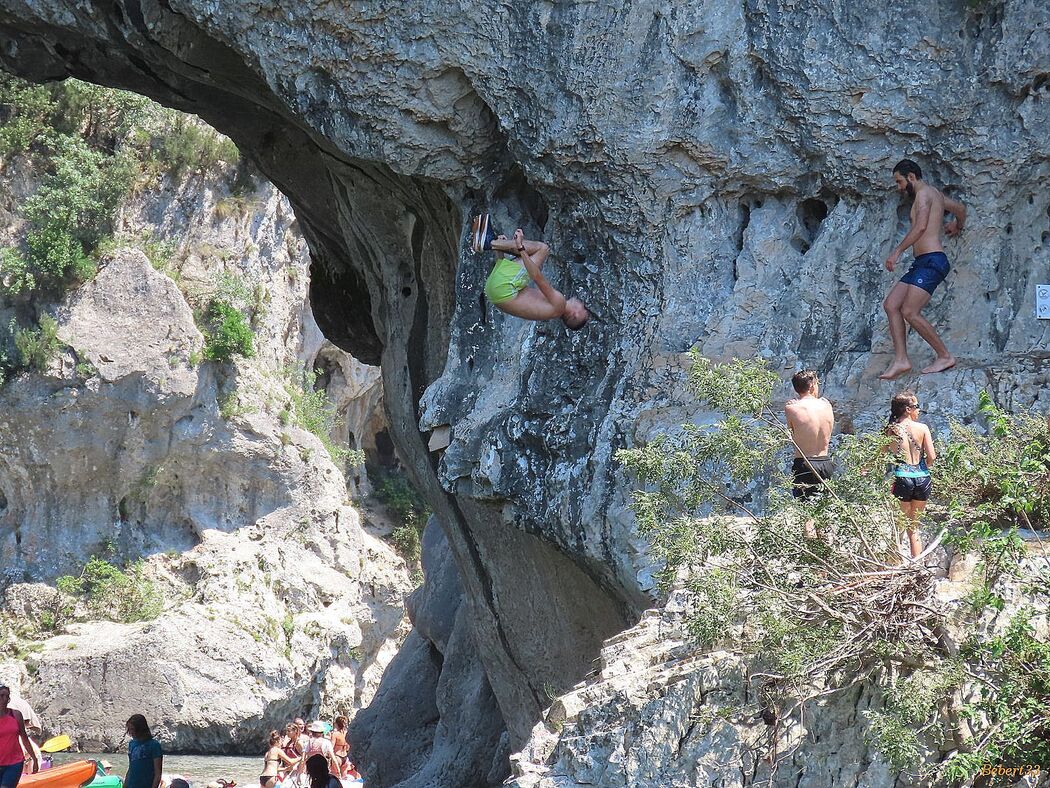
279 600
705 172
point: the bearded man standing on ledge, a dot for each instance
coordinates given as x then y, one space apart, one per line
907 298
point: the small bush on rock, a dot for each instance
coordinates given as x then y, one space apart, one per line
114 594
395 492
311 409
228 334
37 347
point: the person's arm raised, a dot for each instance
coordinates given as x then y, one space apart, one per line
958 210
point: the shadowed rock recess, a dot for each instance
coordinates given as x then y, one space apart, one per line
705 173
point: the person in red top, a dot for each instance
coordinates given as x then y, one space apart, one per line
13 738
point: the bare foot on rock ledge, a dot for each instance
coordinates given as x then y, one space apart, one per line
939 365
895 370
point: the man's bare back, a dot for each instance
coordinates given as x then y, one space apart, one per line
811 421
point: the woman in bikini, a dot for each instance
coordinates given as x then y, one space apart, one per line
276 763
341 745
912 446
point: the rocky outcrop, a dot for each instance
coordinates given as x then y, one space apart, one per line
278 599
706 174
659 711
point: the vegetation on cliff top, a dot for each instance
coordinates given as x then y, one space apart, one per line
90 147
819 615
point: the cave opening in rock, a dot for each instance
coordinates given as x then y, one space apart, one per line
811 214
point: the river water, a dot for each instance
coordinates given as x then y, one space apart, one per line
198 769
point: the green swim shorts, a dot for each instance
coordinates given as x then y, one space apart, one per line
508 278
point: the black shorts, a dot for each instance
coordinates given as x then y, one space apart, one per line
912 488
808 481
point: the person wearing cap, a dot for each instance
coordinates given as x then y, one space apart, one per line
14 742
320 745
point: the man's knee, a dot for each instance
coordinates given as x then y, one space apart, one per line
891 305
910 312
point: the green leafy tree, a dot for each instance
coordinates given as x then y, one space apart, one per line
68 216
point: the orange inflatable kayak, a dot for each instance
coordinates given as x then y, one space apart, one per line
72 775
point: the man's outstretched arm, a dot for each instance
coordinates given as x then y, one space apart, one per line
958 210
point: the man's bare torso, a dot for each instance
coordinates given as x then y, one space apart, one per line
811 421
929 241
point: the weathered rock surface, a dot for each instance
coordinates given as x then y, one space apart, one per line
660 712
278 600
706 173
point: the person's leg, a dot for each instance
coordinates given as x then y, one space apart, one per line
537 250
914 300
906 510
898 332
914 540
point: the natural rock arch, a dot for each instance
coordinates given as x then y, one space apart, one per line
632 138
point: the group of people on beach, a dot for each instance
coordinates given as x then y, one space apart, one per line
519 262
313 752
303 756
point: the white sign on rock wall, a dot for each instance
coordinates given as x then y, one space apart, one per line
1042 302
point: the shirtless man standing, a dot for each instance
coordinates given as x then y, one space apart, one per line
519 262
811 421
905 301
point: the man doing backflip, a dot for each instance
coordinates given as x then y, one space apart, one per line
905 301
519 261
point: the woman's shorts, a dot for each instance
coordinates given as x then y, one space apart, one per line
10 775
908 488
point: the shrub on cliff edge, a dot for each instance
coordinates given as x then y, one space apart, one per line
819 615
112 593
